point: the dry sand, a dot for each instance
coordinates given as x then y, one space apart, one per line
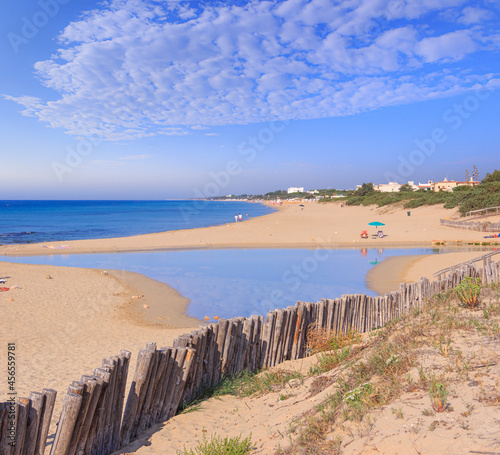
292 226
386 276
400 428
65 320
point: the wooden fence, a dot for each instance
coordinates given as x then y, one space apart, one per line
485 258
472 225
94 420
481 213
25 422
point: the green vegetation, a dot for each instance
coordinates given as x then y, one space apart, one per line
495 177
284 196
365 190
219 446
253 384
332 348
468 291
406 188
464 197
388 363
246 384
486 194
438 395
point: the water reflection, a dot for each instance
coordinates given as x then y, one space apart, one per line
238 282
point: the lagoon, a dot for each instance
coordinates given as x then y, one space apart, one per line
242 282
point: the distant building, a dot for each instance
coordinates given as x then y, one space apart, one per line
448 185
294 189
429 186
312 192
391 187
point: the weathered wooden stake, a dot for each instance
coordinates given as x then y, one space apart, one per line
70 408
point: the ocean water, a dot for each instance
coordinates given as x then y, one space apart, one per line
242 282
48 221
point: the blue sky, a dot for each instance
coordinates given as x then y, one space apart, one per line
133 99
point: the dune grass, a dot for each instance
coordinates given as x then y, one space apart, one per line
380 372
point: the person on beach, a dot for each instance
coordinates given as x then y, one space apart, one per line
239 217
236 218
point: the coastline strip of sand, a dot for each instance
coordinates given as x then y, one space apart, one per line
65 320
386 276
315 225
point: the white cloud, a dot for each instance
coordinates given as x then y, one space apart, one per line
141 68
471 15
449 47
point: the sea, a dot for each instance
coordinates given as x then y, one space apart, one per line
222 282
49 221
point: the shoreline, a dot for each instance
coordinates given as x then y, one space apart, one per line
291 226
65 320
94 313
167 307
386 276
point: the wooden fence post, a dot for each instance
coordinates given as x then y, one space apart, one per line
37 403
46 417
137 393
70 408
22 411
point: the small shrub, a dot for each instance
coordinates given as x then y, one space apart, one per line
468 291
355 398
248 384
219 446
438 395
320 340
327 362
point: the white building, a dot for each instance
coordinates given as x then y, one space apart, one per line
294 189
391 187
394 187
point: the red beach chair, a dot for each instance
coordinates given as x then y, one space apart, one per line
364 234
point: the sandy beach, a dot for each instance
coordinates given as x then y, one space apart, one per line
327 225
387 275
97 313
65 320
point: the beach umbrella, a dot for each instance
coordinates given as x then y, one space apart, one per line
376 224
